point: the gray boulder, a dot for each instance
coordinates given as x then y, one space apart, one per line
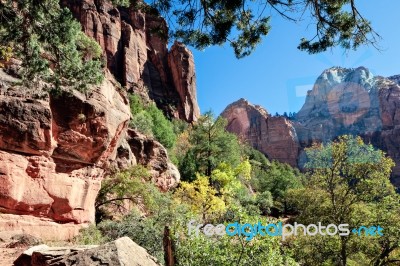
121 252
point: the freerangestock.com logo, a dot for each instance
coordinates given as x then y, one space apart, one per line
281 230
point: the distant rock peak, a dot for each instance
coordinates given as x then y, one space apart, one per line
342 101
274 136
395 78
243 103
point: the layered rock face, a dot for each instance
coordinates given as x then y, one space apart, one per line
55 150
53 154
151 153
354 101
274 136
135 47
137 148
342 101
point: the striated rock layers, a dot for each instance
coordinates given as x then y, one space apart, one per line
137 148
55 150
342 101
135 48
354 101
274 136
53 154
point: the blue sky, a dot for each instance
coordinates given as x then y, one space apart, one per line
277 75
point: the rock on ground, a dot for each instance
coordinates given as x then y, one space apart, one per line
121 252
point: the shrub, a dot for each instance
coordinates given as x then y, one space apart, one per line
145 232
6 53
143 123
226 251
136 104
90 236
264 201
150 120
163 129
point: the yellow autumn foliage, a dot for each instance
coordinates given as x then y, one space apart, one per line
201 197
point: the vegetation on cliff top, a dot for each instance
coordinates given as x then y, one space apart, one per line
50 43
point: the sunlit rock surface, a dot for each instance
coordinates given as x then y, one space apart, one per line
342 101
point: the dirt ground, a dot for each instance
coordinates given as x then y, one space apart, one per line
12 244
9 255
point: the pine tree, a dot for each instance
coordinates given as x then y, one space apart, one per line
210 145
50 43
243 24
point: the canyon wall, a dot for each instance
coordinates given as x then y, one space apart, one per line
55 149
135 46
54 152
273 136
342 101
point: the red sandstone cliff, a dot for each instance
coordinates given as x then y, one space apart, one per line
274 136
135 48
342 101
55 150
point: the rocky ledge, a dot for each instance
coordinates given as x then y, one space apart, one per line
55 150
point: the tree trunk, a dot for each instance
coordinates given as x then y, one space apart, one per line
343 253
169 250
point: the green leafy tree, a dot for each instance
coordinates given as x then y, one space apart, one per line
143 122
210 145
128 185
386 249
50 43
163 129
276 178
151 121
264 202
349 184
243 24
273 177
179 126
255 157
